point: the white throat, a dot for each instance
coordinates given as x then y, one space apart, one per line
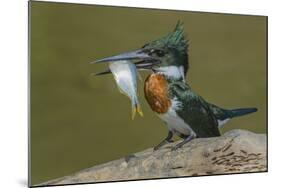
174 72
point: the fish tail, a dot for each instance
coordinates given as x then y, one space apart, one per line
136 108
133 112
139 110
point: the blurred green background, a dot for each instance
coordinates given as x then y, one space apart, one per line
78 120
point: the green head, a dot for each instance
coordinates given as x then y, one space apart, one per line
167 55
171 50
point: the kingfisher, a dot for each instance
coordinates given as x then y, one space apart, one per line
185 113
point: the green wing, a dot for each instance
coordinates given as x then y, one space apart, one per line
219 113
195 111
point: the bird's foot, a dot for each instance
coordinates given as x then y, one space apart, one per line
176 147
161 144
179 145
168 139
156 148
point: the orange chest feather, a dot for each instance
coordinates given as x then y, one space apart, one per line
156 93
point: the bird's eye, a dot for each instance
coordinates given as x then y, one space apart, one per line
160 53
157 52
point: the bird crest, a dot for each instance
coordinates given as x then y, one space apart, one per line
175 40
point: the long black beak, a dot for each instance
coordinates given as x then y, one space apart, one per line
142 60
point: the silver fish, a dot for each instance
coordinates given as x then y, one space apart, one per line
125 75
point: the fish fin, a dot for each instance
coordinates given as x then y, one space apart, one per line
136 108
133 112
139 110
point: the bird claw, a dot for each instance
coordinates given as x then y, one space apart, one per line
183 142
175 148
162 144
156 148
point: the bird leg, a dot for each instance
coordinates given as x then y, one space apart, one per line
179 145
165 141
183 136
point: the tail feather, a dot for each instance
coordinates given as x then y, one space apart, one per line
241 112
